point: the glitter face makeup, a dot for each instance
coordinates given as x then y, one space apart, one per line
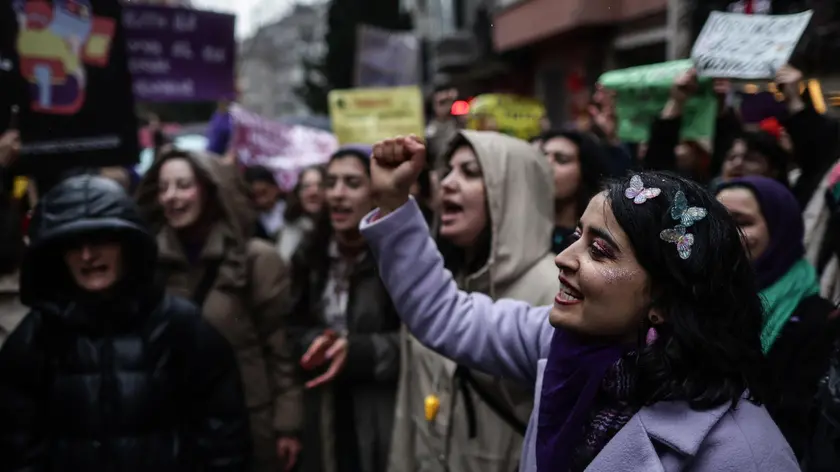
602 288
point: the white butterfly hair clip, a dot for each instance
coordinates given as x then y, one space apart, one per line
678 236
685 214
637 191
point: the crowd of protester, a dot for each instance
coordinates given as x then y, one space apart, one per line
398 310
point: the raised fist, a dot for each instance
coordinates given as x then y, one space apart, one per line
394 167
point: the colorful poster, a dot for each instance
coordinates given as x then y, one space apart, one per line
285 149
739 46
365 116
64 62
178 54
642 92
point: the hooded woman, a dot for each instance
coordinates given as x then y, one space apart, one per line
200 212
797 336
107 372
496 215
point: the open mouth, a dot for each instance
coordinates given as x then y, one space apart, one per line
340 213
567 295
449 210
92 270
177 211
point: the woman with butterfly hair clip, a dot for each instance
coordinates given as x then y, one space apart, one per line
648 359
797 334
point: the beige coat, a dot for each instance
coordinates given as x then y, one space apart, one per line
520 266
248 303
12 310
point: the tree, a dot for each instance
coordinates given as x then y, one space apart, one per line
335 71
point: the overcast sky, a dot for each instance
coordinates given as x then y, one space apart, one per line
250 14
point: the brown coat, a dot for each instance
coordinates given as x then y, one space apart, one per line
247 302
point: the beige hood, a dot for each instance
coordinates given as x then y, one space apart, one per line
520 197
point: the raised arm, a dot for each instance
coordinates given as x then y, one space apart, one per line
504 338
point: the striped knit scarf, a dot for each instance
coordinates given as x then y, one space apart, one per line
610 413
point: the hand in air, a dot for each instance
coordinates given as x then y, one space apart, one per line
684 85
788 78
395 165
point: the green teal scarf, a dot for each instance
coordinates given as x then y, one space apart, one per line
782 298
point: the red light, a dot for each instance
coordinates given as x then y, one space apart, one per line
460 107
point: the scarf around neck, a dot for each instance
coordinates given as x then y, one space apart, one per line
782 298
573 376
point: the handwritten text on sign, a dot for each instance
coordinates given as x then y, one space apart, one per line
732 45
178 54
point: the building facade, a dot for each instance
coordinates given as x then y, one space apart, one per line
271 62
551 49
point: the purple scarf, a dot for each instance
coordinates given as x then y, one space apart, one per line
573 376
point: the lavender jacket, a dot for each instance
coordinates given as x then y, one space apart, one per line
511 339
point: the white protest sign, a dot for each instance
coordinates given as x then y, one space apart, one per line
736 46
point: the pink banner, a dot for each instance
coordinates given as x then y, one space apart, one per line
285 149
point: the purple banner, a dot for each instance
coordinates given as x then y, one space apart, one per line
178 54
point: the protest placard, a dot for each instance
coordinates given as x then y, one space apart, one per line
738 46
285 149
179 54
642 92
365 116
69 79
386 58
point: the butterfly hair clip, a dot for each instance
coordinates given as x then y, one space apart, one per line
683 240
637 191
685 214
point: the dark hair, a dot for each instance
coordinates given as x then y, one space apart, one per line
352 152
593 163
294 207
323 232
259 173
708 351
764 143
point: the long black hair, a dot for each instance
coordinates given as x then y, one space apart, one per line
594 164
313 253
708 351
294 206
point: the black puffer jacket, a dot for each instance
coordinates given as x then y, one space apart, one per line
134 382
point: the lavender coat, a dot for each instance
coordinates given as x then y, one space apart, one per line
511 339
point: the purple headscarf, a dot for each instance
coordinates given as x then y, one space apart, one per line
783 215
573 375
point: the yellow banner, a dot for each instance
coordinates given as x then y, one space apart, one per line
365 116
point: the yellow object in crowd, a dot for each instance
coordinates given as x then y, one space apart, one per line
20 187
365 116
509 114
432 405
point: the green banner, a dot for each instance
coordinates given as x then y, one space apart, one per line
642 92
